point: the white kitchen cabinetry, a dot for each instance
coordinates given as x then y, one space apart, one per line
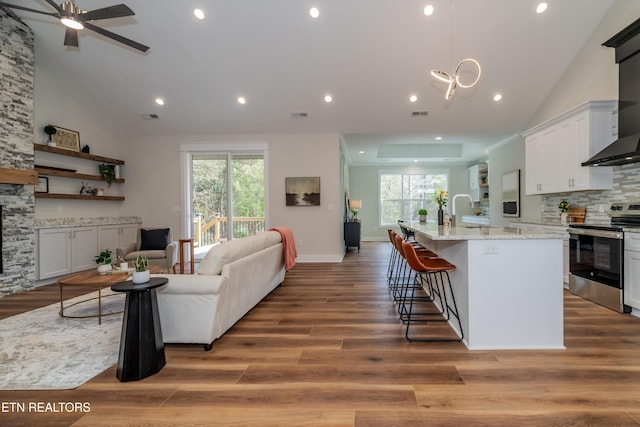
66 250
115 236
479 182
632 270
555 150
565 243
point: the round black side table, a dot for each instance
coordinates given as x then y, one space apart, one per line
141 346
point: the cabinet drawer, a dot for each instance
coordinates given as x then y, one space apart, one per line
632 241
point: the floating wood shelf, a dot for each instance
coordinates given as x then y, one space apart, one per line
77 154
77 197
43 170
18 176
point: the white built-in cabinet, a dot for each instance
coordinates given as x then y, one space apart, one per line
479 182
66 250
116 236
555 150
632 270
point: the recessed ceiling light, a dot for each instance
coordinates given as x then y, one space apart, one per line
497 97
428 10
242 100
328 98
159 101
360 152
413 98
198 13
314 12
438 138
541 7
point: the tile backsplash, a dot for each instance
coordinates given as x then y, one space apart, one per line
626 188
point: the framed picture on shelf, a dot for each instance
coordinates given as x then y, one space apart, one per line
66 139
43 185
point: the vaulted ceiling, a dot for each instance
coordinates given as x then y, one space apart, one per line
369 55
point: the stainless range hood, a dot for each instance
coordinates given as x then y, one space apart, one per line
626 149
621 152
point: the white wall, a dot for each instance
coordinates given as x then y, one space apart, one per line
153 188
65 107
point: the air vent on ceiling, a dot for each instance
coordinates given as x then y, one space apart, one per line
150 116
419 113
299 115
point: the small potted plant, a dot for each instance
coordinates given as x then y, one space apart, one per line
564 207
108 173
141 275
422 213
50 130
103 259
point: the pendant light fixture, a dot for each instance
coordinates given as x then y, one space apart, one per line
453 79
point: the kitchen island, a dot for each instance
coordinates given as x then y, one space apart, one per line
507 283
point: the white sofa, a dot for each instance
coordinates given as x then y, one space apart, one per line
231 279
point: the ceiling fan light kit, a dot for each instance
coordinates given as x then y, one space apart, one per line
76 19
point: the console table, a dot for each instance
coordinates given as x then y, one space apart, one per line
141 346
352 235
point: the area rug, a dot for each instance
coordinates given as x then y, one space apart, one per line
39 350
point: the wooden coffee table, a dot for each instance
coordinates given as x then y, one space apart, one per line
91 278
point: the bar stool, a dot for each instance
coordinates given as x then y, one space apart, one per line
434 271
403 279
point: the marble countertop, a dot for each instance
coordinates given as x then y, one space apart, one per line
479 232
81 222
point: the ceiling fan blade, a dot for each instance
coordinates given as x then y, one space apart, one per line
54 5
115 11
71 37
13 6
116 37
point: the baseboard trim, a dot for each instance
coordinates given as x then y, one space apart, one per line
319 258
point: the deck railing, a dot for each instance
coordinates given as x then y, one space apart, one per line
216 230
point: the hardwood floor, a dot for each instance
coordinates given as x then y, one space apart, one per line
326 348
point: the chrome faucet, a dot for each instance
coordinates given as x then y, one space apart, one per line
453 206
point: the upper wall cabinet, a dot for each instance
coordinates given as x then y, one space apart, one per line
555 149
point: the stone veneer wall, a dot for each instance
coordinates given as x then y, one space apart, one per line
17 68
626 188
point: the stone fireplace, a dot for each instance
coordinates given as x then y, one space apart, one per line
16 155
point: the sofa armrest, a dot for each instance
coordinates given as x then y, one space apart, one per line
171 252
124 250
191 284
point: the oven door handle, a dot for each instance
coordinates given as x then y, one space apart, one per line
597 233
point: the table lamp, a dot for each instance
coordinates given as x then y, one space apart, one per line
355 206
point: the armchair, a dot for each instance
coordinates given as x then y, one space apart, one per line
155 243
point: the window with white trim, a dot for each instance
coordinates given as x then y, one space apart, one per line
402 194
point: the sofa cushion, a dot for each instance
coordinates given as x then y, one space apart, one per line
154 240
233 250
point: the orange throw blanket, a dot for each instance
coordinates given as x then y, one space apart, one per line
288 246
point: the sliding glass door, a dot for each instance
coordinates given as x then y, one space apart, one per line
227 196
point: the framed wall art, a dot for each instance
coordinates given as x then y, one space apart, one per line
66 139
302 191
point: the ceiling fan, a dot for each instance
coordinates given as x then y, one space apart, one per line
76 19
